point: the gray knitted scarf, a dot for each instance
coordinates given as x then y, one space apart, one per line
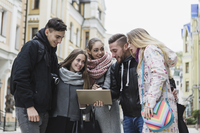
70 77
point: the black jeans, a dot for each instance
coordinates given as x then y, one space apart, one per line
27 126
59 124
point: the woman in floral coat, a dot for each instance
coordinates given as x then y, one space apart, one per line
157 60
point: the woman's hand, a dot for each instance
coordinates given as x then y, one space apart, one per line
98 103
175 94
148 112
95 86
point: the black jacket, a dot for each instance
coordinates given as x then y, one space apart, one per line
129 94
33 79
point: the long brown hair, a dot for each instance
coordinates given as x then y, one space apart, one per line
68 61
140 38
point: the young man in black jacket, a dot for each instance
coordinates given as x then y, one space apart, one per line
124 83
31 77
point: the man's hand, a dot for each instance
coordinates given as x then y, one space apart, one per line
175 94
33 114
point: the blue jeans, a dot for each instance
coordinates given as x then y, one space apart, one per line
132 124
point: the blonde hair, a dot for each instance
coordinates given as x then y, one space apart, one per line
140 38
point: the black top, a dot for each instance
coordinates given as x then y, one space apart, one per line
129 96
32 78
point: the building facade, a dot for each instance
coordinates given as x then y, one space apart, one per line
84 18
12 23
21 19
190 59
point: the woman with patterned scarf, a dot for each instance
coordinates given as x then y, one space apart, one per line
98 68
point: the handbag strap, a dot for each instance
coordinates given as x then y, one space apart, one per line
143 84
92 118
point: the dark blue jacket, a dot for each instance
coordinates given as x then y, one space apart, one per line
33 79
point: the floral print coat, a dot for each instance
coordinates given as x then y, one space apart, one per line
155 75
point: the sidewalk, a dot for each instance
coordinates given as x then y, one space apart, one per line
18 131
191 130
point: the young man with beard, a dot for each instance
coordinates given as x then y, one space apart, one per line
31 77
124 83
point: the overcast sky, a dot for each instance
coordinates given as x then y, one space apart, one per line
163 19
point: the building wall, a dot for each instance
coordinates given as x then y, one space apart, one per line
11 42
193 58
85 20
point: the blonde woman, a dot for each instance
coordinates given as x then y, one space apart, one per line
157 60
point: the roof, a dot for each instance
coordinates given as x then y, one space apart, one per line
194 10
188 26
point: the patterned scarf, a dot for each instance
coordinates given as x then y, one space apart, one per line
98 67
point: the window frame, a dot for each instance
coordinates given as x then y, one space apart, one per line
187 67
36 2
87 35
186 43
17 38
71 32
99 14
31 37
187 87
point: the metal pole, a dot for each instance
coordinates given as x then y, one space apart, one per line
4 123
15 123
197 65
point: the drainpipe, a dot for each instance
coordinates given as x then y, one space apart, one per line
197 67
25 21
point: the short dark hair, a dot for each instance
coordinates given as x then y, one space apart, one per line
119 38
56 24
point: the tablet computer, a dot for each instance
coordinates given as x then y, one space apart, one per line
91 96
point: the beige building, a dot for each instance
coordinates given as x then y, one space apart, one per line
84 18
12 18
191 59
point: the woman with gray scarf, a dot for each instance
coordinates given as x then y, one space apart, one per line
73 75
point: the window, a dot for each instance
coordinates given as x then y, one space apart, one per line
187 67
2 16
99 14
33 32
77 38
177 83
187 43
53 6
17 38
186 47
71 32
36 4
60 49
58 8
187 86
86 38
3 22
74 38
62 9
